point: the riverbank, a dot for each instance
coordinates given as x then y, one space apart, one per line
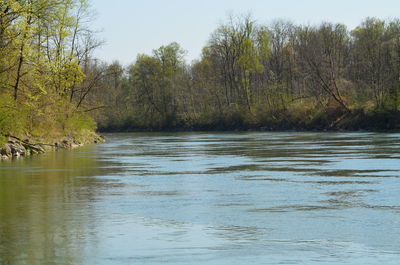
16 147
329 120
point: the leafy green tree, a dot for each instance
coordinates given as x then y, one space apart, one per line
373 50
41 44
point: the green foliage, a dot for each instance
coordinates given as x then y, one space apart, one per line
155 81
3 140
12 117
249 60
43 88
78 122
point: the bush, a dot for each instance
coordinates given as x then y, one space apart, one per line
12 117
79 122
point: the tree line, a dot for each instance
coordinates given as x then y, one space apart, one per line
249 75
277 76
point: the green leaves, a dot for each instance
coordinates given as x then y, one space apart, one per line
42 46
377 55
12 116
155 82
250 60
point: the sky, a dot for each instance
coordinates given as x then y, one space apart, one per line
131 27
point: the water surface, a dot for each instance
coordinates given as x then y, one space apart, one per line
206 198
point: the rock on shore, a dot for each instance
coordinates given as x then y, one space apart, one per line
16 147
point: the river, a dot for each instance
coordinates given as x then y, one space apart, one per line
206 198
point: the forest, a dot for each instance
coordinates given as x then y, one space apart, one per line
280 76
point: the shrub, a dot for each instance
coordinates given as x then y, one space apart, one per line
12 117
79 122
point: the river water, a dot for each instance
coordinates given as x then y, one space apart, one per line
206 198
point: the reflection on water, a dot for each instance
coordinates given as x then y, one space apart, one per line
44 212
201 198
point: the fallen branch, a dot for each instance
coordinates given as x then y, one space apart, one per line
31 145
95 108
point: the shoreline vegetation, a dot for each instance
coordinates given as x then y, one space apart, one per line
250 76
351 122
45 55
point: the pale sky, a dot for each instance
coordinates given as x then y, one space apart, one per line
130 27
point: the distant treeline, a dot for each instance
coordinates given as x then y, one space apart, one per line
279 76
45 48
